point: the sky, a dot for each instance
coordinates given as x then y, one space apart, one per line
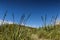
37 8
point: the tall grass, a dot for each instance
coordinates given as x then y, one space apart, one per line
20 32
29 15
22 19
55 19
44 18
13 17
4 16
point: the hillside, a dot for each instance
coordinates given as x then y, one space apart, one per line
20 32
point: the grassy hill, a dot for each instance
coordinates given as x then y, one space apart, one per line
20 32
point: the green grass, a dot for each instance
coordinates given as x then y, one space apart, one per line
18 32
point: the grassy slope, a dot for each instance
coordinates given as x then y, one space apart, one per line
16 32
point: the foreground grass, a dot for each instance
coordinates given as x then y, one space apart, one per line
18 32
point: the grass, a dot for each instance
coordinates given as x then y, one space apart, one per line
22 32
10 32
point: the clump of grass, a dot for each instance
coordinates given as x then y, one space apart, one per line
25 21
44 18
4 16
22 19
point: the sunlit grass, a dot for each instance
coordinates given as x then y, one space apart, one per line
11 32
22 32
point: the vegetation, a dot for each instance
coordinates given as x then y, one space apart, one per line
22 32
18 32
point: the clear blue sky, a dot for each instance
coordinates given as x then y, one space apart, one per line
36 7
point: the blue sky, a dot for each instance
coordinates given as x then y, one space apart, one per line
37 8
